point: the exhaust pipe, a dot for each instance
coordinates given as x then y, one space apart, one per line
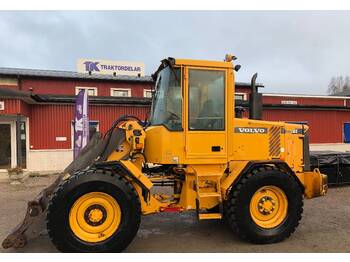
255 100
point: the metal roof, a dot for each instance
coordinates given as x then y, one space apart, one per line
110 100
46 98
342 93
70 74
335 96
74 75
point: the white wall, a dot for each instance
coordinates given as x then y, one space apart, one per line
49 160
333 147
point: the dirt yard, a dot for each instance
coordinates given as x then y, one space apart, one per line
325 226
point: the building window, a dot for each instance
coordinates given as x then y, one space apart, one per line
241 96
121 92
147 93
91 91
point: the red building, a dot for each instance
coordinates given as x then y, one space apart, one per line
36 112
328 117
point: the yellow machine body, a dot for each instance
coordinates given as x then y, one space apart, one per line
213 160
255 172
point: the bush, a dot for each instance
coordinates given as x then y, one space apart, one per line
15 171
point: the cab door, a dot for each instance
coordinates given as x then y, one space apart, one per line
205 115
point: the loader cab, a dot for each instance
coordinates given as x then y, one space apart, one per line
192 112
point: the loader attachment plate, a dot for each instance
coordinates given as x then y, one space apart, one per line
34 220
33 223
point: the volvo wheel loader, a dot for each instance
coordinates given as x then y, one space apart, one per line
252 173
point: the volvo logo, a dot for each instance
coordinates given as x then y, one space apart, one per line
251 130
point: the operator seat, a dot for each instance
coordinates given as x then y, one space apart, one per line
204 121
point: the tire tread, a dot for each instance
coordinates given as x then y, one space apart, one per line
233 215
53 203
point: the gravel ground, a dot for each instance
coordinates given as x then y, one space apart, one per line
325 226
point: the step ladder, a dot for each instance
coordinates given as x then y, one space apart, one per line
203 194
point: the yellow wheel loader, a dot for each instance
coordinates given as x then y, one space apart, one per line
252 173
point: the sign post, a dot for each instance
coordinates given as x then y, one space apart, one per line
81 122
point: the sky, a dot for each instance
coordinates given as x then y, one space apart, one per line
295 52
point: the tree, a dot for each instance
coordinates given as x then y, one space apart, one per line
346 83
338 84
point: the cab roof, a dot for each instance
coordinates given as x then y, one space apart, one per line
170 61
203 63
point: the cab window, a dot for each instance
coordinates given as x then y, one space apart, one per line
206 99
167 106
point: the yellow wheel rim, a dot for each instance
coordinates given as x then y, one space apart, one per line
94 217
268 206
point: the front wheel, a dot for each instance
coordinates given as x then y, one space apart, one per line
93 211
265 206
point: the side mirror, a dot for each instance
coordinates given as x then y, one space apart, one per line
237 67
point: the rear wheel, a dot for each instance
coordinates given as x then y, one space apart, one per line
265 206
93 211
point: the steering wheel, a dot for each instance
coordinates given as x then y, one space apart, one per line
168 116
172 116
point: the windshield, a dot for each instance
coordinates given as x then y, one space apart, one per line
167 105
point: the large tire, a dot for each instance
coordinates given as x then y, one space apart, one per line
260 186
121 215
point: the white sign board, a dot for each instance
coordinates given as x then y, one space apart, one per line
2 105
106 67
289 102
61 138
